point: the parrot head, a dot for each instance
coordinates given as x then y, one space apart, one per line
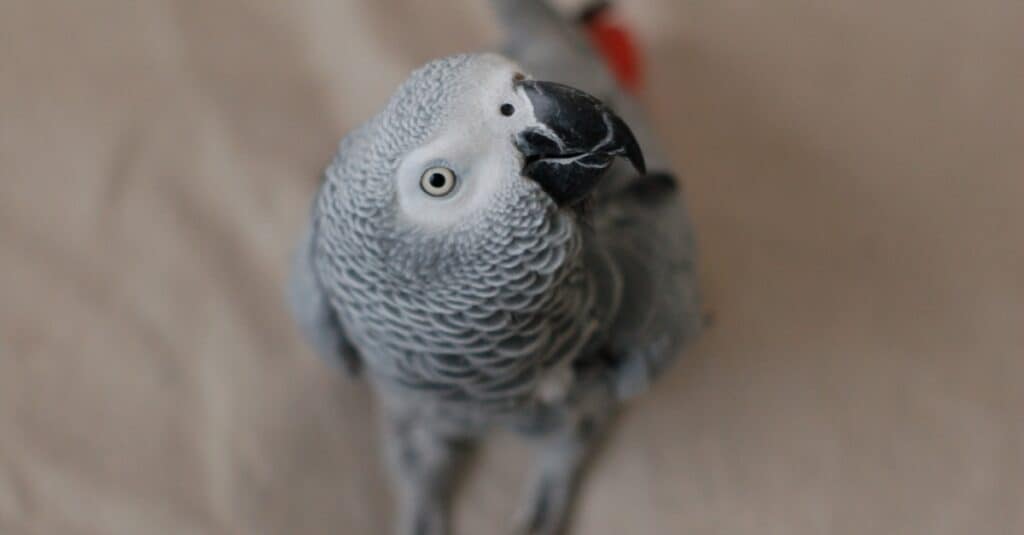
447 225
469 151
469 139
501 128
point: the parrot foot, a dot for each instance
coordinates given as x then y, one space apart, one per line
424 519
547 506
560 460
424 467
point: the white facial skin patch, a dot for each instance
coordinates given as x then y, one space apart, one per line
479 151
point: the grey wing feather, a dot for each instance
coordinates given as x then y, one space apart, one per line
646 230
313 311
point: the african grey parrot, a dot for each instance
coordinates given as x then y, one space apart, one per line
478 253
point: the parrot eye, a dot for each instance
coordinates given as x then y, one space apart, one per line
507 109
438 181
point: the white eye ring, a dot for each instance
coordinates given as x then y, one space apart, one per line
438 181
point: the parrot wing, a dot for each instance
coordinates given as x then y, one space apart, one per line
312 310
646 231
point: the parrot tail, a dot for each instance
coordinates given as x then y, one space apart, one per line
614 42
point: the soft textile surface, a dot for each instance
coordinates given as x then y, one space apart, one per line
856 173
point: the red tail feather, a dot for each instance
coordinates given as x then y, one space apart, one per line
615 43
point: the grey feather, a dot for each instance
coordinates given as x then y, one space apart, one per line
317 320
541 40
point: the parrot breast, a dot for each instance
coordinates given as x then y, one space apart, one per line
478 314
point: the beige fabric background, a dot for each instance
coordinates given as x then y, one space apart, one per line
855 168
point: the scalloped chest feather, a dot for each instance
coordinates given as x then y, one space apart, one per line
479 314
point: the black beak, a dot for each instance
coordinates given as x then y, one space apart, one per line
575 143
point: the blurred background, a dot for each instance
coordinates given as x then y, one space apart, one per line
855 170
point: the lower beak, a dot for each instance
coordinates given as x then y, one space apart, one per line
575 142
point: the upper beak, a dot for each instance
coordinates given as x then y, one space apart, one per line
575 142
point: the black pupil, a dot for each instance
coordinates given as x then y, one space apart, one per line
507 109
437 180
